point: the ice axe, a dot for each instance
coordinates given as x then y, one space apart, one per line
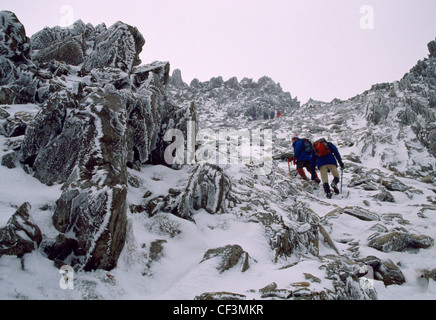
289 166
342 177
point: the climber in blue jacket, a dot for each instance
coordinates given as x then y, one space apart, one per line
302 159
326 157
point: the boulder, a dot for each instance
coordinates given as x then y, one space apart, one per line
208 189
58 249
344 275
393 184
361 213
8 160
298 237
277 294
385 270
7 95
384 196
48 37
13 127
118 78
14 44
48 146
400 241
4 114
117 47
176 79
69 51
20 235
429 274
432 48
140 74
228 257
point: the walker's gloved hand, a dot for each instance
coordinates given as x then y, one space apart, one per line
341 164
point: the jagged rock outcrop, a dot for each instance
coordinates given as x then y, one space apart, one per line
118 46
92 207
297 237
432 48
176 79
113 115
15 60
20 235
344 274
69 51
14 44
208 188
246 98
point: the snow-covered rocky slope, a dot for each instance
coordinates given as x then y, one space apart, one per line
84 181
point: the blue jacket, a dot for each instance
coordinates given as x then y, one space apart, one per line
327 159
300 151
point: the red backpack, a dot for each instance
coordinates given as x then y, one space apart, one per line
321 147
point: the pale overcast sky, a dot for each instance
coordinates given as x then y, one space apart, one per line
314 48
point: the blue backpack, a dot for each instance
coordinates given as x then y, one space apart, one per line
307 146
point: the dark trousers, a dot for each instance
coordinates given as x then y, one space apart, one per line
300 168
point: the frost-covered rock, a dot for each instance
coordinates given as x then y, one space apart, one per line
220 296
113 115
13 127
92 208
247 98
176 79
69 51
8 160
208 188
14 44
49 36
48 147
344 275
361 213
432 48
385 270
14 60
400 241
298 237
20 235
117 47
228 257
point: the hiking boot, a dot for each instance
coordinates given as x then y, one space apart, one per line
335 185
327 190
